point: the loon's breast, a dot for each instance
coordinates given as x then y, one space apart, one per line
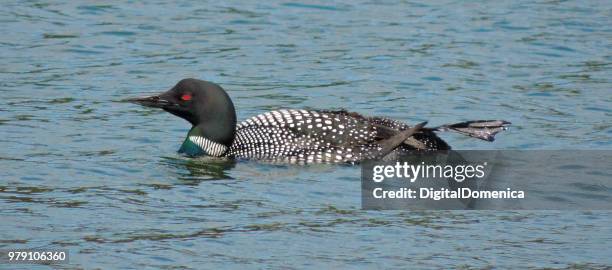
317 136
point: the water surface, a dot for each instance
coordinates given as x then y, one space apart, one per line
82 171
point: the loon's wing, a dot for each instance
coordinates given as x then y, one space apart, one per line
424 139
325 136
390 144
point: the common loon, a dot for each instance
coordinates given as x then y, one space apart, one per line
297 136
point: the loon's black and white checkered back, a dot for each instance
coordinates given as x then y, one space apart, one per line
298 136
303 136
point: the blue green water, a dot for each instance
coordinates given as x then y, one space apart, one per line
81 171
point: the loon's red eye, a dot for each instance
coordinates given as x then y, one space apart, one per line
186 97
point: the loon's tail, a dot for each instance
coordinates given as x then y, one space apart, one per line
481 129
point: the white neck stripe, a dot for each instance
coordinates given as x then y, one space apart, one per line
211 148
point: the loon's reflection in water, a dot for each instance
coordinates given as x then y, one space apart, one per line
200 169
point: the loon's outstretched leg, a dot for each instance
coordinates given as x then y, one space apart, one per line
481 129
396 140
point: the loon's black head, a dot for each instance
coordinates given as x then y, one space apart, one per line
204 104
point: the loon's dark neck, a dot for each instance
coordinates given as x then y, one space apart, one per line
215 116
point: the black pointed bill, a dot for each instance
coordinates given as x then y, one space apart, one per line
151 101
